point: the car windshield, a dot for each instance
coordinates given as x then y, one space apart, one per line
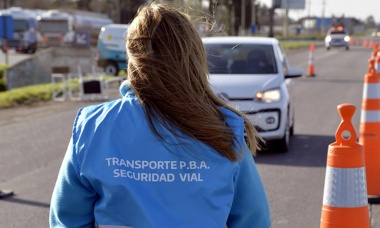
20 25
240 59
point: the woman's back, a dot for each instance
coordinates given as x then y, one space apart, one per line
142 182
169 153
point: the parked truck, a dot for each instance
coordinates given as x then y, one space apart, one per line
67 27
24 37
111 52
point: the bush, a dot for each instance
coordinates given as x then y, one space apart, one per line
3 67
3 87
25 95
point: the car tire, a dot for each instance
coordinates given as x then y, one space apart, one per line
282 145
292 127
110 68
347 48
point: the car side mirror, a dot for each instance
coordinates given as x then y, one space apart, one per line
294 72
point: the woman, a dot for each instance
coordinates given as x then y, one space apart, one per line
169 153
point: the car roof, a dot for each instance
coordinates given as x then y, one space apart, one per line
240 39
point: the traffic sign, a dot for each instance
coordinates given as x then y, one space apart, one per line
82 39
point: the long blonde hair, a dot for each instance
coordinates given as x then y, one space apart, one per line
167 69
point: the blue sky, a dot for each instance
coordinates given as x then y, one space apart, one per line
359 9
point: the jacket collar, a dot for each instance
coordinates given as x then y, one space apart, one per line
125 89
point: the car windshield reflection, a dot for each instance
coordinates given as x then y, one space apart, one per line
241 59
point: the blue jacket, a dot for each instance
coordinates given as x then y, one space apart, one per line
116 173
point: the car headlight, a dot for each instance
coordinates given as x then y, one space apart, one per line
268 96
328 38
346 38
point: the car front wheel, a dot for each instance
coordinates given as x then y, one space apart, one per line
111 68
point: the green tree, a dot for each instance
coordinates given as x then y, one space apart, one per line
370 22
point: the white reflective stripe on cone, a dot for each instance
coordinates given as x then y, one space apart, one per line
369 116
377 67
371 91
345 187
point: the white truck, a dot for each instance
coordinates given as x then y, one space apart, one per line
24 30
111 53
69 28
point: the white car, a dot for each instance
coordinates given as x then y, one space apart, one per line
253 75
337 37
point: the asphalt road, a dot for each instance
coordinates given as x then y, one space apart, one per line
33 141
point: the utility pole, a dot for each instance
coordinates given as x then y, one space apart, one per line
323 16
276 4
253 16
285 20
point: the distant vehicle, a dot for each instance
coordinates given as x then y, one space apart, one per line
24 30
376 34
337 37
253 75
111 52
69 28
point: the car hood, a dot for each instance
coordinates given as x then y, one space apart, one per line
243 86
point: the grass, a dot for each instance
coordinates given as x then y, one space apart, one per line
295 45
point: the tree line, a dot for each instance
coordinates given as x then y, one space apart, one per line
233 16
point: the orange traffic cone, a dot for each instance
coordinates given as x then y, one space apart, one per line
311 60
365 43
377 59
374 54
345 195
370 129
352 41
372 44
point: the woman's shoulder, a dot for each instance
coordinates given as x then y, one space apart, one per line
128 101
96 110
234 120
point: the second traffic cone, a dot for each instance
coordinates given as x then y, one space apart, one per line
311 61
376 56
370 129
371 43
365 43
345 195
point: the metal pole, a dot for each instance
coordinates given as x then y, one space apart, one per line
323 16
253 13
285 19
